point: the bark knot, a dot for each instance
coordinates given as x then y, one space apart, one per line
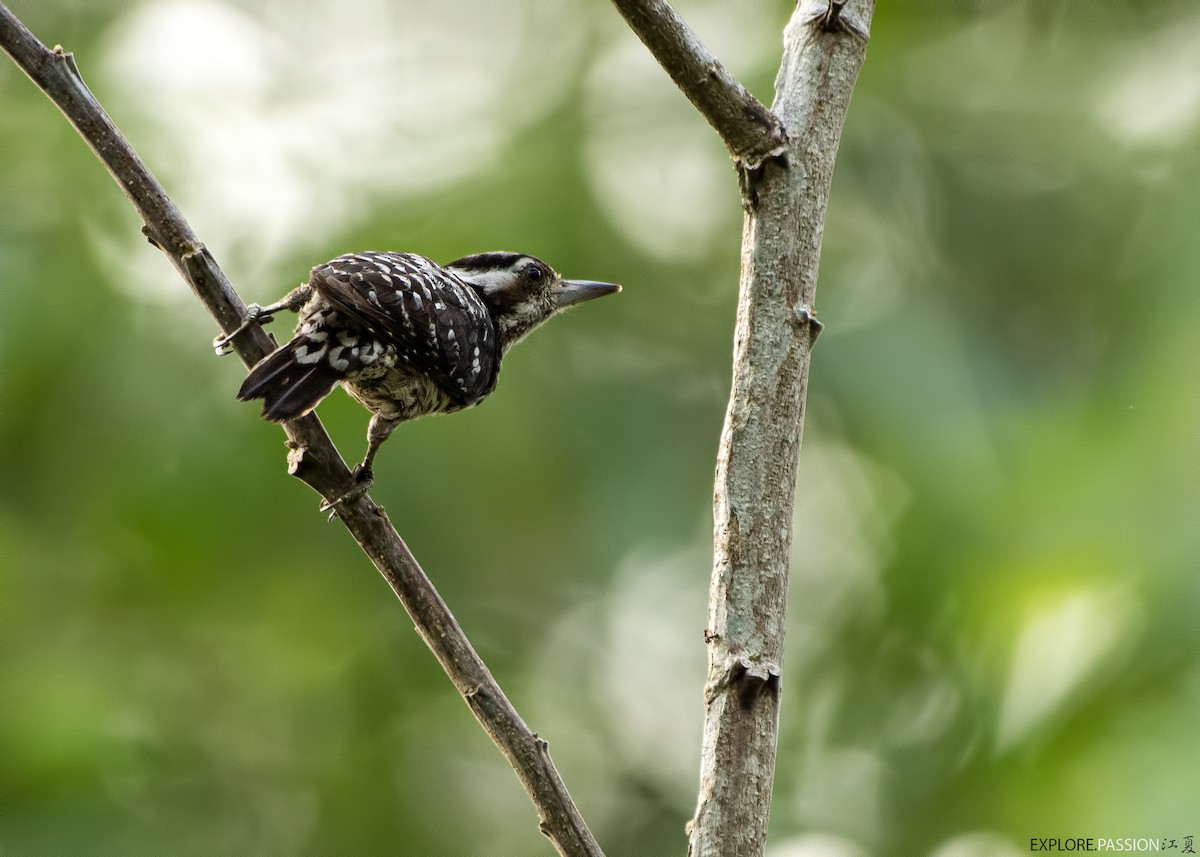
750 680
806 317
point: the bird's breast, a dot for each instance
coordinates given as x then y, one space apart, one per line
398 392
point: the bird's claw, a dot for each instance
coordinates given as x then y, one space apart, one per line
362 478
223 344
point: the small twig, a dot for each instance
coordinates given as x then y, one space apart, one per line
313 457
830 20
750 131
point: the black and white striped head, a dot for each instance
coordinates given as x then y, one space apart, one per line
522 291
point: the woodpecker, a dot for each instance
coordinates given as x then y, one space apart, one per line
404 336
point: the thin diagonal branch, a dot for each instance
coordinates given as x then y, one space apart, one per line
750 131
313 457
785 193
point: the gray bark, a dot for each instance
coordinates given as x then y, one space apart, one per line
786 198
785 159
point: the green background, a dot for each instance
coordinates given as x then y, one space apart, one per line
993 618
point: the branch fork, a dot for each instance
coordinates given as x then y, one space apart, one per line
784 161
824 47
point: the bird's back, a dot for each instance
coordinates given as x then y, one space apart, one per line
437 323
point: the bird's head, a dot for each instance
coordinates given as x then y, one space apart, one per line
522 292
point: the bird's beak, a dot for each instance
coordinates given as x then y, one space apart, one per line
577 291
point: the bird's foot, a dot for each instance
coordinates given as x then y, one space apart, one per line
255 314
361 478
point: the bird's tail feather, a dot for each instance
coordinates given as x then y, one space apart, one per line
288 387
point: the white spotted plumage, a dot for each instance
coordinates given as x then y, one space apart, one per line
406 336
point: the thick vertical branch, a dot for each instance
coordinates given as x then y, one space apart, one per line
784 158
786 198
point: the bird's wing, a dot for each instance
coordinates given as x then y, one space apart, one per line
438 324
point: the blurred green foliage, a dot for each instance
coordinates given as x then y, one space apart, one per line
994 613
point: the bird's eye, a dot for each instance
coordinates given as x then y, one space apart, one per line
534 273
